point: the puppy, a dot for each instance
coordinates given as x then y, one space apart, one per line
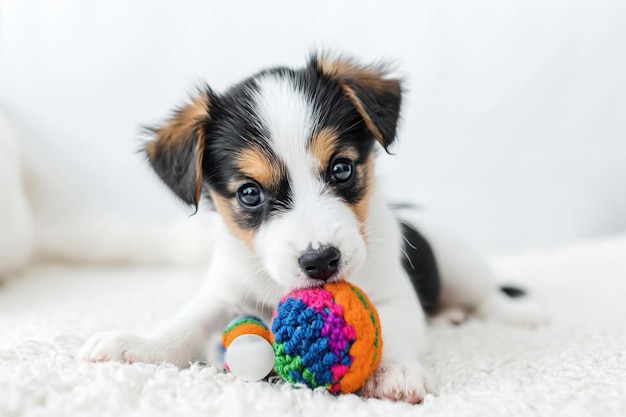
286 157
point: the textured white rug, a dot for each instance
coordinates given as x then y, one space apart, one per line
574 367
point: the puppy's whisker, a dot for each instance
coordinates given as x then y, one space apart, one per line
408 258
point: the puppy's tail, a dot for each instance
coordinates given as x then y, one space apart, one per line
114 241
513 292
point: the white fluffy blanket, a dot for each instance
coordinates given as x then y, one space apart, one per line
574 367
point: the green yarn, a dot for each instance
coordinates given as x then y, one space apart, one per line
361 297
286 364
244 320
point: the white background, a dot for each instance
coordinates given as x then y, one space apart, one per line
513 132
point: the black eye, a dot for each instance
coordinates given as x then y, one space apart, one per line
250 195
341 170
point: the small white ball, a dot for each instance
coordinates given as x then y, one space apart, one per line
250 357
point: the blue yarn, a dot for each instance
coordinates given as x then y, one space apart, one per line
298 327
297 376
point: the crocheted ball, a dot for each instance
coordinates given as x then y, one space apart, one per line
247 350
327 337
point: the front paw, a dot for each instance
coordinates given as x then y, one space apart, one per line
399 382
121 347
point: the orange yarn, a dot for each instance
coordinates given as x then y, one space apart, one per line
360 313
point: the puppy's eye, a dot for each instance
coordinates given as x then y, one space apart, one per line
342 170
250 195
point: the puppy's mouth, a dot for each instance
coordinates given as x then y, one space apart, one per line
336 277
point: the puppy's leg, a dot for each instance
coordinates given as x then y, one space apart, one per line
180 341
183 338
468 286
400 375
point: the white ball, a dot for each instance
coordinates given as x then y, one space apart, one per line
250 357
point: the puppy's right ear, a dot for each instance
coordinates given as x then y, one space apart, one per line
177 149
374 93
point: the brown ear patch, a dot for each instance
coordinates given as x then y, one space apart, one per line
374 95
256 164
176 153
184 122
324 145
349 92
346 71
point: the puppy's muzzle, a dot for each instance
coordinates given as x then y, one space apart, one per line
321 263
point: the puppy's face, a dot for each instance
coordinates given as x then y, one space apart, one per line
287 159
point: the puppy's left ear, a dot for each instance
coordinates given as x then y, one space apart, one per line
177 150
374 94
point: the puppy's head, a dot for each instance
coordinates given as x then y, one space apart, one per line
286 157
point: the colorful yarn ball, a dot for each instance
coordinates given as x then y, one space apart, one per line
247 350
327 337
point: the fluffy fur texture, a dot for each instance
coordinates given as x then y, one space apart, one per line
286 157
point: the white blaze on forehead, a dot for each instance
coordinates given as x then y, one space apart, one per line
289 118
317 217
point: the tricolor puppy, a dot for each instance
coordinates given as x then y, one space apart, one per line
286 158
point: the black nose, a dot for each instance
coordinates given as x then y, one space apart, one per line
320 263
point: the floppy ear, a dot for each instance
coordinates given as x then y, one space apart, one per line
177 149
373 93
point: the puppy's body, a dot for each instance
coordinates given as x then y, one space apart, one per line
286 157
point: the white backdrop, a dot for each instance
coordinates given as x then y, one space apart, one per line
514 127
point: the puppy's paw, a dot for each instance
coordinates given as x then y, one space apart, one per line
399 382
451 315
121 347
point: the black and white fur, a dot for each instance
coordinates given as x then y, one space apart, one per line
286 158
